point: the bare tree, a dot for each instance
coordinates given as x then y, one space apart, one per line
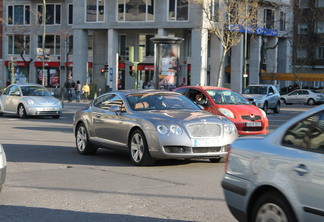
227 19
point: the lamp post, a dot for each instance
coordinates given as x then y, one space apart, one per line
245 75
43 40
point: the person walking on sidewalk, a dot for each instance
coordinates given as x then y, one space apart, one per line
69 85
77 90
85 92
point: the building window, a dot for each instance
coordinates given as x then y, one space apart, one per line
214 10
52 44
282 21
70 14
122 45
178 10
130 10
53 14
145 41
18 15
69 45
320 52
320 3
302 28
95 10
301 53
18 44
320 27
269 18
303 3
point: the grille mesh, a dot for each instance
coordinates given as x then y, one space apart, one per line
250 118
204 130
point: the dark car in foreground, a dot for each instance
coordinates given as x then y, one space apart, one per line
152 124
279 177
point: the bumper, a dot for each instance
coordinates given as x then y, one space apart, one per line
3 172
3 166
253 130
44 111
236 195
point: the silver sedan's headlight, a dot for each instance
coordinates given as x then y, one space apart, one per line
31 102
173 129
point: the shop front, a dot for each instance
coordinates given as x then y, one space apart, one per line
51 73
20 71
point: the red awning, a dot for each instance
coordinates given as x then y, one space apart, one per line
46 64
145 67
18 63
70 64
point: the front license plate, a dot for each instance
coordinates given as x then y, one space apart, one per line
205 142
253 124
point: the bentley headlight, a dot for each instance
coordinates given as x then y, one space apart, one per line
31 102
163 129
229 128
226 112
175 129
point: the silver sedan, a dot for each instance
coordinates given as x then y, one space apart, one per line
305 96
279 177
152 124
3 166
29 100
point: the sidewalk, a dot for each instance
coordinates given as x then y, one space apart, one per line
72 107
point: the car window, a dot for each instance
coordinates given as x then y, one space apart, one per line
198 97
304 92
271 90
255 90
105 101
7 91
293 93
182 91
13 90
227 97
307 133
34 91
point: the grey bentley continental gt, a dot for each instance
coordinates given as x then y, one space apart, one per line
150 125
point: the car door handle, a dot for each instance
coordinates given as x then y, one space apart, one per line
301 169
98 115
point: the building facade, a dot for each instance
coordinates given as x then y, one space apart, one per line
308 47
84 36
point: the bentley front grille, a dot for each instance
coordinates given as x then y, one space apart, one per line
204 130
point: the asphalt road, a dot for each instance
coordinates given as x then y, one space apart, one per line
47 180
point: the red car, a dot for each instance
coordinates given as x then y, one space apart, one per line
249 119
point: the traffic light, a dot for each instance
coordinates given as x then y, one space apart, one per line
130 53
131 70
105 70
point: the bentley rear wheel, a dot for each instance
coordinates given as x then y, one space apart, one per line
83 144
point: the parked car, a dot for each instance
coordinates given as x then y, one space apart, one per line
279 177
29 100
248 119
3 166
306 96
263 96
152 124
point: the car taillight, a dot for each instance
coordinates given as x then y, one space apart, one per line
227 158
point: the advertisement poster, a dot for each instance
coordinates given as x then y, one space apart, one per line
168 66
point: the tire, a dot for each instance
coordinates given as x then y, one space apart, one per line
138 149
311 102
22 111
272 206
82 142
283 101
265 107
56 117
277 109
215 160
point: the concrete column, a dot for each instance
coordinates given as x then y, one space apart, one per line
284 56
254 60
199 42
272 54
99 58
162 32
216 52
237 66
112 59
80 55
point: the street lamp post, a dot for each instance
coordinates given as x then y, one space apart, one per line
245 75
43 40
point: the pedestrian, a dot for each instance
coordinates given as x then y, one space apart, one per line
69 85
7 83
85 92
77 90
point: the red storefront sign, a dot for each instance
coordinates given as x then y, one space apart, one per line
145 67
18 63
46 64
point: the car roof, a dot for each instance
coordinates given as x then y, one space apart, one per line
139 91
204 87
26 84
